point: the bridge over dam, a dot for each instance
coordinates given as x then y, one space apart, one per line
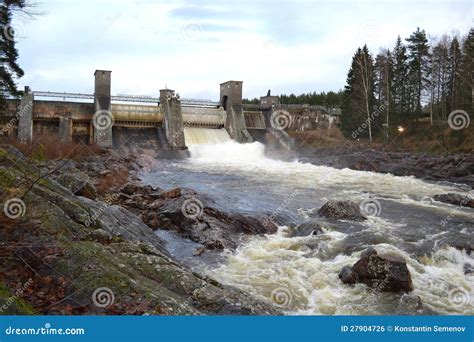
166 123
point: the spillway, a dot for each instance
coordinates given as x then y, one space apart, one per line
199 136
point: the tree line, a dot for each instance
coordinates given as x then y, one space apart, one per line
415 80
327 99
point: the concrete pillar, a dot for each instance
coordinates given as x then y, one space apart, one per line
25 116
103 119
173 119
231 100
267 105
65 128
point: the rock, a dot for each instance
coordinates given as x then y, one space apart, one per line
307 229
468 268
12 151
411 303
341 210
386 273
456 199
79 183
100 235
145 162
195 217
347 275
136 188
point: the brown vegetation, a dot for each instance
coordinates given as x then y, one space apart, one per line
51 147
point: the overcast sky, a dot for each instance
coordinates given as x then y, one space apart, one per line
192 46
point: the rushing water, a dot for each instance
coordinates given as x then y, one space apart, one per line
301 273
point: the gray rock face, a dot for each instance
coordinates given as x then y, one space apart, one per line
92 244
195 217
341 210
456 199
384 273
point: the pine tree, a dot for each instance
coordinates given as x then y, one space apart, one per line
9 68
466 95
419 70
399 83
454 76
439 79
358 102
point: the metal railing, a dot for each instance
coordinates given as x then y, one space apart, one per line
188 102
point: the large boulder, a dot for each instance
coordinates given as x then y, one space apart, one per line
456 199
195 217
387 273
341 210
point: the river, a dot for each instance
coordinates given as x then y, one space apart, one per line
300 274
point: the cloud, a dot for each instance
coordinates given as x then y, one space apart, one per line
192 46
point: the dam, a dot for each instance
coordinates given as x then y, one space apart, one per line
166 123
163 123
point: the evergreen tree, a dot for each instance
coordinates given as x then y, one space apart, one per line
466 95
439 79
454 76
9 68
358 102
419 70
399 82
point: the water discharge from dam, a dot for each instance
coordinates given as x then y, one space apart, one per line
302 272
198 136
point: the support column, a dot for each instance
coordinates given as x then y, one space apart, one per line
65 128
103 119
25 116
173 119
231 101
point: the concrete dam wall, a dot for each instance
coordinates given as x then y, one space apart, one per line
166 122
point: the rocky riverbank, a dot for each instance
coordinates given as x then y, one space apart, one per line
450 167
71 246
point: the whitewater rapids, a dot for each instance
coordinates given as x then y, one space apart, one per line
301 274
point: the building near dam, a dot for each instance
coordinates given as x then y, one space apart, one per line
165 122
